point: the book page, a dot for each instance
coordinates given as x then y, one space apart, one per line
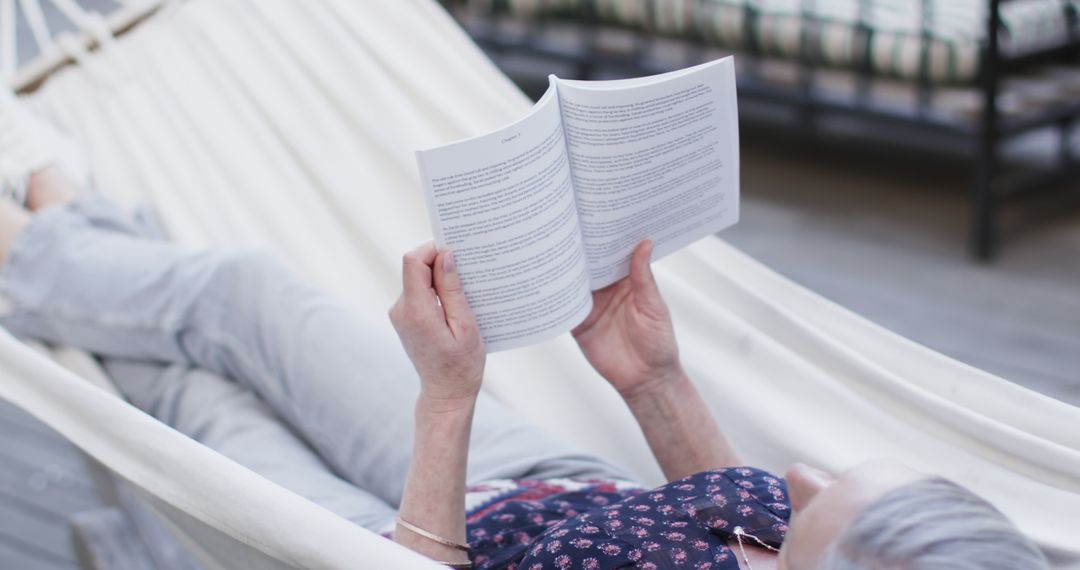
656 157
504 204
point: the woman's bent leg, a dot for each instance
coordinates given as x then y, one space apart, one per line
342 382
233 421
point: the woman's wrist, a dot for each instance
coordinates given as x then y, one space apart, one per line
434 495
439 402
680 429
657 385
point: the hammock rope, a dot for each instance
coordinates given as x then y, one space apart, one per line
92 29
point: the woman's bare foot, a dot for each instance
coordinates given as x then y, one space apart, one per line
12 220
49 187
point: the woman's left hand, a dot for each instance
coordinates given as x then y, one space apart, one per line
433 319
628 337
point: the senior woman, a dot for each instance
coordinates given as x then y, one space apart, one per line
877 515
480 487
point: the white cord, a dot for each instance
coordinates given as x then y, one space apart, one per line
739 533
38 28
91 23
72 11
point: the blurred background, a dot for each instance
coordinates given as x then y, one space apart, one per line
874 171
911 160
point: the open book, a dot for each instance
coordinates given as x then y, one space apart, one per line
544 211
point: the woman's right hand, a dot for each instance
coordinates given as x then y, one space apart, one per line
437 328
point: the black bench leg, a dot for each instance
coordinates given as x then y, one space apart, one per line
984 238
984 212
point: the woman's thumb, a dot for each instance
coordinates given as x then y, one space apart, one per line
451 293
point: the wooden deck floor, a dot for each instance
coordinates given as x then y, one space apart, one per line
42 482
885 236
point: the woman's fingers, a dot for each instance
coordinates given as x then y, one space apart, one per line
442 341
641 275
427 276
451 293
416 276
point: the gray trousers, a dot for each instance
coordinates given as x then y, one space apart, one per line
233 351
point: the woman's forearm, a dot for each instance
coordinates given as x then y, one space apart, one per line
683 435
434 497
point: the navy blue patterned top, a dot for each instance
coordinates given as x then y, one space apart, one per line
593 525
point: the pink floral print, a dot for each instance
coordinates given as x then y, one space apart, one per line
684 524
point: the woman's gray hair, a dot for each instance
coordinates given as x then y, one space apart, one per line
933 524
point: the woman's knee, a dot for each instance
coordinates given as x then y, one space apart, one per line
246 266
242 284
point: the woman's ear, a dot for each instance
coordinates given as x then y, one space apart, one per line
804 483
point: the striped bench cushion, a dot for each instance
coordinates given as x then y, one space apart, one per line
884 36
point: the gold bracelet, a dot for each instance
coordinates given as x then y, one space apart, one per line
456 565
434 537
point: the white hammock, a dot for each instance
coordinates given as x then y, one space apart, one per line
291 125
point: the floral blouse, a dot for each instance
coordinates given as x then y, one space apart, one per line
593 525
